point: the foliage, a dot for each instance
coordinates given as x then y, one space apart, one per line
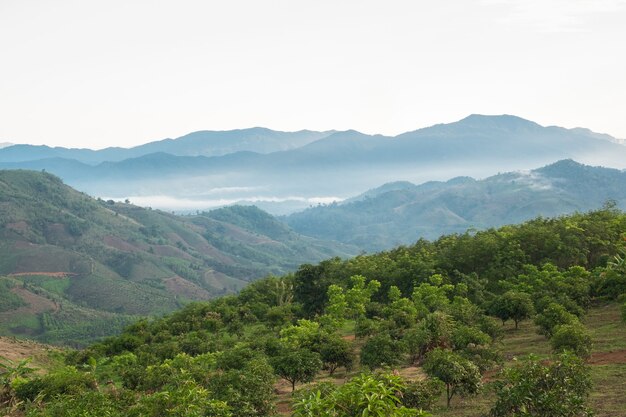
299 365
336 352
557 389
11 375
513 305
459 374
364 395
422 394
381 350
571 337
554 315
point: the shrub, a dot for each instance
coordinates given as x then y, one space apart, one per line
571 337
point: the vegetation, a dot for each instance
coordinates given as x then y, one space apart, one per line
424 305
559 389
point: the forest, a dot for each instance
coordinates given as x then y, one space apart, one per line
413 331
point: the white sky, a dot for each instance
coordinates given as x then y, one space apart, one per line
124 72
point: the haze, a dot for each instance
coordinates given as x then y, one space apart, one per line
117 73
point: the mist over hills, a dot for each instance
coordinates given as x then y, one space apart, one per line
285 172
401 212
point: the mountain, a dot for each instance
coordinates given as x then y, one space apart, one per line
335 167
401 213
5 144
75 267
205 143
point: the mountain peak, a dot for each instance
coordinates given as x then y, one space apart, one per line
503 121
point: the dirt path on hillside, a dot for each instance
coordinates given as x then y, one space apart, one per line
43 274
608 358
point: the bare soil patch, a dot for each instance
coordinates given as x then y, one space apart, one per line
608 358
44 274
181 286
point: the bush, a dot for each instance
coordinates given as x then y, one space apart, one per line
559 389
422 394
66 381
88 404
571 337
381 350
554 315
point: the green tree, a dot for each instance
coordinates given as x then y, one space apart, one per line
381 350
359 295
553 315
298 365
515 305
422 394
532 388
571 337
460 375
336 352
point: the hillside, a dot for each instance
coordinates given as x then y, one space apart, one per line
70 260
294 172
443 326
401 213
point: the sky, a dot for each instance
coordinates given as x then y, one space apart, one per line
94 74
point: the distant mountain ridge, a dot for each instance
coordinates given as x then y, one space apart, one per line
201 143
322 166
401 213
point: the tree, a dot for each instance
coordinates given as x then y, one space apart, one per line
336 352
572 337
363 395
400 312
423 393
515 305
532 388
381 350
554 315
359 295
299 365
460 375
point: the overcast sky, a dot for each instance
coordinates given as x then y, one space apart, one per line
125 72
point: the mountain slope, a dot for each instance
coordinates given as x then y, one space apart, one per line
401 214
93 261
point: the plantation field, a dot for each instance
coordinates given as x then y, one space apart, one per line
608 364
608 367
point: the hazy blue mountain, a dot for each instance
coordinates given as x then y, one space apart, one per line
202 143
335 167
402 213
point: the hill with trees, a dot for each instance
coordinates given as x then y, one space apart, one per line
74 268
401 212
413 331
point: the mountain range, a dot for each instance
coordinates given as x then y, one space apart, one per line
401 212
284 172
